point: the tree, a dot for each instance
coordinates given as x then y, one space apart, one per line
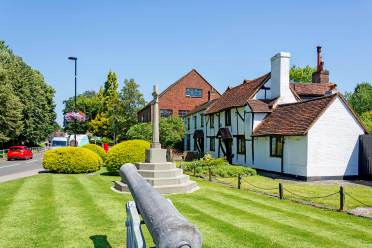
131 100
34 95
361 99
88 103
10 114
99 126
367 120
301 74
171 132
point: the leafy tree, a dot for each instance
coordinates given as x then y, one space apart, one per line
100 126
88 103
10 114
367 120
34 94
171 132
142 131
131 100
301 74
361 99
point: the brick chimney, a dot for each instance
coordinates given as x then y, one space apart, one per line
321 76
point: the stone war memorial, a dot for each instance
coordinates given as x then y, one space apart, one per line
156 170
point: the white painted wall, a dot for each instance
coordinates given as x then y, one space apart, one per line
260 95
333 142
294 155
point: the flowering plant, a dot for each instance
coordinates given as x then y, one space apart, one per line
72 116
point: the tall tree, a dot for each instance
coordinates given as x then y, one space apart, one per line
132 100
10 113
301 74
34 94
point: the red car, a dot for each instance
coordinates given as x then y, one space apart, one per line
19 152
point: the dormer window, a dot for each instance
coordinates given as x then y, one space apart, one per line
194 92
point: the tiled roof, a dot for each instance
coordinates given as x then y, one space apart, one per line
259 106
239 95
201 107
312 89
293 118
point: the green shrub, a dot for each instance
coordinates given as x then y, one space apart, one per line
130 151
97 149
219 167
71 160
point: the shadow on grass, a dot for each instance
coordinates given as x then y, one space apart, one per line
108 173
100 241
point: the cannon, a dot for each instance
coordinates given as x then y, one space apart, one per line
168 228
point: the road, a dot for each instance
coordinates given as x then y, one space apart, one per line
10 170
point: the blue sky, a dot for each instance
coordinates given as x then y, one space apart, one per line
159 41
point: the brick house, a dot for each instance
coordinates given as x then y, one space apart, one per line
305 130
182 96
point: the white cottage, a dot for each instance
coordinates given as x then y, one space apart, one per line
269 123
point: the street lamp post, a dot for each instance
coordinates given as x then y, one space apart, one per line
75 60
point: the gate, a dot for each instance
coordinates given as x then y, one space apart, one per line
365 155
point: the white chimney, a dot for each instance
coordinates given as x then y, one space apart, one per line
280 78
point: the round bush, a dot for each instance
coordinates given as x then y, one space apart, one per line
97 149
71 160
130 151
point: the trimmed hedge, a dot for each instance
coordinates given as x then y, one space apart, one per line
97 149
130 151
71 160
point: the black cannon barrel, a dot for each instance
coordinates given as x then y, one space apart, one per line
168 228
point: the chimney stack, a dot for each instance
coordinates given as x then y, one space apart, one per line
321 75
280 66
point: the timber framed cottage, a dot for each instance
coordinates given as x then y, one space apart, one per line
305 130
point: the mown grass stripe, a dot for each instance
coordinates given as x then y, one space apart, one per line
311 212
81 218
8 192
267 225
220 233
296 217
311 231
31 214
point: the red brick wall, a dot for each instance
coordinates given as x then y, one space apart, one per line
175 97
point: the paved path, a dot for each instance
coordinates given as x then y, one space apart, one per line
10 170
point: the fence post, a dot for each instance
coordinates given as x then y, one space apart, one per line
280 191
194 170
239 181
342 198
210 173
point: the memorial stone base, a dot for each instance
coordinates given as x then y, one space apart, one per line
162 175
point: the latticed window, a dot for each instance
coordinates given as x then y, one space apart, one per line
211 121
201 120
240 144
276 146
166 112
182 113
194 92
211 143
228 117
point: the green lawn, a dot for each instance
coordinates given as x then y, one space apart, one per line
308 189
81 211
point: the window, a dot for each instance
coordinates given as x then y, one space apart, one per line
194 92
228 117
166 112
276 146
201 120
188 140
182 113
240 143
211 121
195 122
188 123
211 143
